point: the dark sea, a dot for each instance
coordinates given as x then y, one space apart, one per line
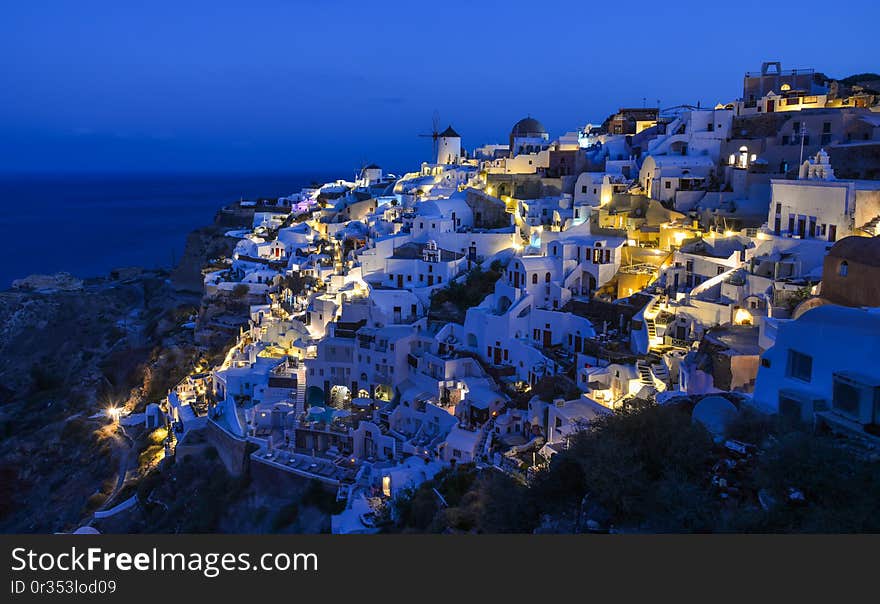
89 224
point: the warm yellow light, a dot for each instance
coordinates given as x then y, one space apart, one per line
742 317
679 236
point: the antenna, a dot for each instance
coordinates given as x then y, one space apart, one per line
435 133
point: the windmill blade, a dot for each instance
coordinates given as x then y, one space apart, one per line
436 122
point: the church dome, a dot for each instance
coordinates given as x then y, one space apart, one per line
528 127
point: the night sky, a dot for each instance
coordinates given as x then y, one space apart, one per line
329 84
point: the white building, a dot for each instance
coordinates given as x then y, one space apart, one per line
818 206
824 362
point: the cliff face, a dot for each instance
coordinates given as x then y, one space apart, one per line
206 244
202 245
54 339
64 357
69 348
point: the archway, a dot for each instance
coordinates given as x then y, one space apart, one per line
314 396
503 304
339 396
384 392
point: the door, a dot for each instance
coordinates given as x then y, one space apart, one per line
496 356
547 338
771 106
430 280
400 281
832 232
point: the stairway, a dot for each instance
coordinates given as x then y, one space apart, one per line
873 226
644 370
300 395
483 443
650 313
661 372
652 327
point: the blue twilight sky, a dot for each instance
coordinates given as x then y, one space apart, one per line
329 84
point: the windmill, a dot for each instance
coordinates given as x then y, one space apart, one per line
435 133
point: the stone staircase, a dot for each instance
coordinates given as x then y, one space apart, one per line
652 327
650 313
651 369
873 226
661 372
485 438
645 375
300 395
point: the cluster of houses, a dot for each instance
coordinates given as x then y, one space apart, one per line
663 253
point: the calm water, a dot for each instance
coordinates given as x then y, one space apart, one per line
88 224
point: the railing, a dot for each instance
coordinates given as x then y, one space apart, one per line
677 342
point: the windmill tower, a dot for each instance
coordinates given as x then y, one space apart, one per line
449 147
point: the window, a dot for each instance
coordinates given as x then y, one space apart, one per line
843 269
800 365
547 278
584 189
846 397
668 184
720 270
534 278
